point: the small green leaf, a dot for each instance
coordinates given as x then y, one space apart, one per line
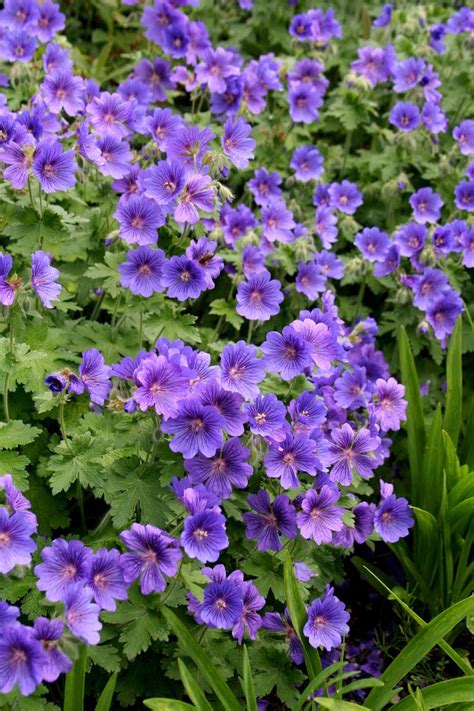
167 705
16 434
338 705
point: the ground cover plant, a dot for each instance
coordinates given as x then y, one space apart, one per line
236 454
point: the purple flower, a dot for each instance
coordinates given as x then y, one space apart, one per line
64 564
307 412
54 167
286 353
183 278
106 579
267 417
48 633
325 226
429 287
350 390
259 297
18 46
264 187
374 64
139 219
426 205
62 90
390 407
160 385
8 614
227 405
223 604
434 118
196 194
162 125
389 264
142 271
270 520
464 135
405 116
309 280
319 339
274 622
155 554
345 197
109 115
16 545
407 74
241 370
196 428
319 516
227 468
115 157
49 21
252 601
285 459
277 222
327 621
95 375
216 66
411 239
21 660
373 244
467 242
163 182
204 253
204 536
43 277
307 162
18 14
304 102
393 516
464 196
443 313
385 16
188 147
81 614
351 450
236 143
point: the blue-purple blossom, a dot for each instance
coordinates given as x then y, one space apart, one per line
154 555
43 278
259 297
204 536
237 143
393 517
196 428
22 660
327 621
142 271
269 520
64 564
241 370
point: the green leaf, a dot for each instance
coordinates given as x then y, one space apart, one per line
426 543
453 413
15 464
452 691
415 422
75 683
299 616
105 699
221 307
76 462
193 689
107 274
247 683
104 656
139 624
417 649
215 681
451 461
167 705
16 434
359 684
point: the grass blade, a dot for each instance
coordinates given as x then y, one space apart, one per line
426 544
447 649
105 699
442 694
192 688
453 413
299 616
338 705
415 424
209 672
167 705
431 484
416 649
247 683
359 684
316 683
75 683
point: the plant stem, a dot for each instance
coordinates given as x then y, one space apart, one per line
6 410
97 306
63 425
31 195
249 336
347 148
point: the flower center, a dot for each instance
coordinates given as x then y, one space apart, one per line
197 425
4 538
200 534
69 571
221 604
18 656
